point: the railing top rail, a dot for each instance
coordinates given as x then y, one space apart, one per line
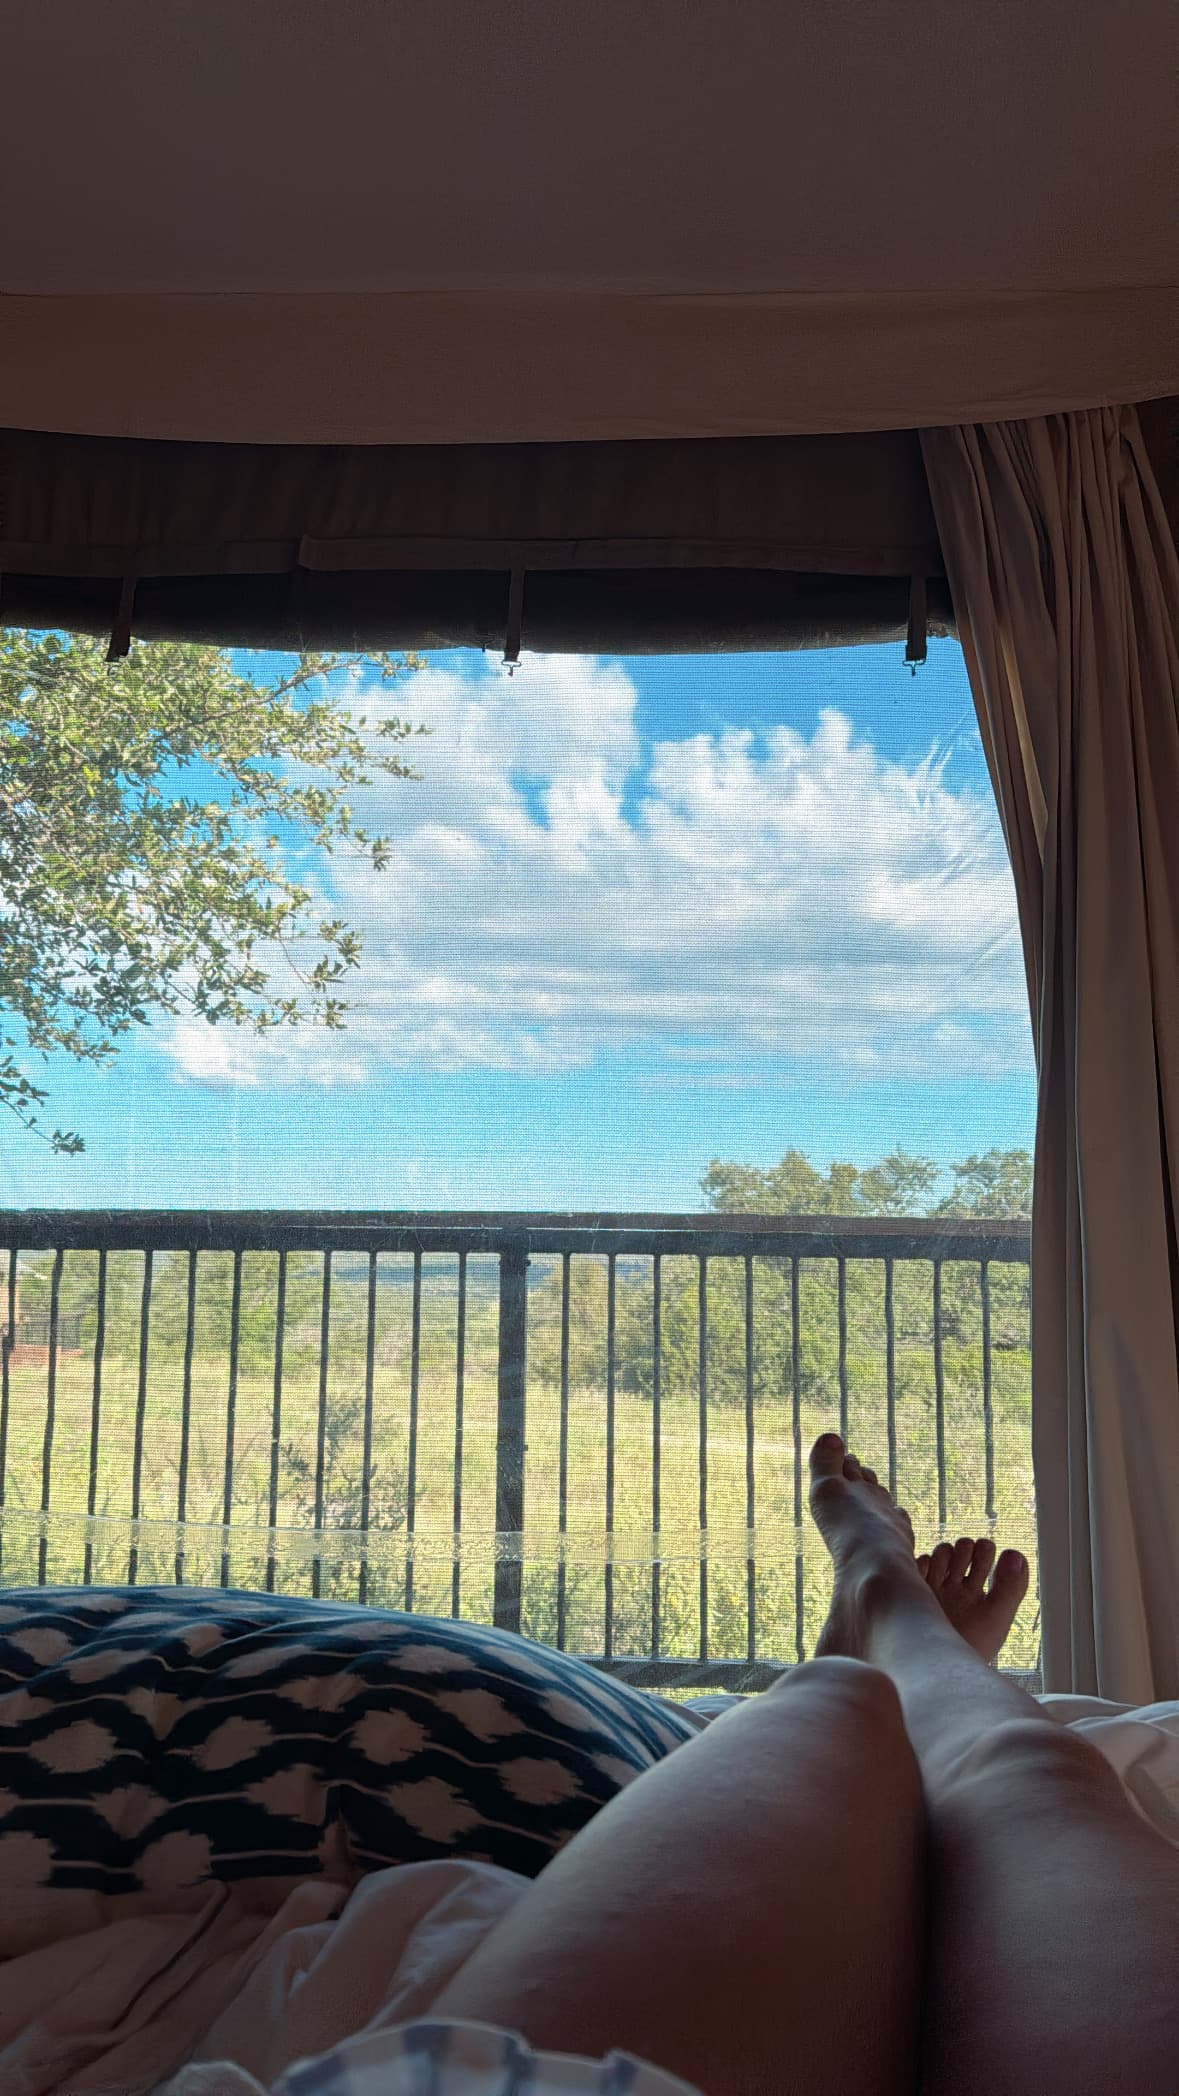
492 1231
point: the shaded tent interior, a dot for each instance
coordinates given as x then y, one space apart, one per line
384 224
460 298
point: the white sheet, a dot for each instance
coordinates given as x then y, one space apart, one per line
1142 1744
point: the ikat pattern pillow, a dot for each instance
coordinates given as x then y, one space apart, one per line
158 1738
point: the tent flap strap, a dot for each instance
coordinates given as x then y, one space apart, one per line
515 618
917 638
120 640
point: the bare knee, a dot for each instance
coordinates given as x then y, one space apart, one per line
1030 1763
847 1688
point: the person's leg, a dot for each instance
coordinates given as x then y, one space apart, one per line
747 1914
1053 1950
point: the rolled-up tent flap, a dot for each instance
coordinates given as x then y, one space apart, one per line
629 547
757 542
601 611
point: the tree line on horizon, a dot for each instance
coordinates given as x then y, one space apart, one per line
995 1185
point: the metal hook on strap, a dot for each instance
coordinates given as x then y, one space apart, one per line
917 639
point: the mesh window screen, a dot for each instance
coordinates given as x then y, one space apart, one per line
660 957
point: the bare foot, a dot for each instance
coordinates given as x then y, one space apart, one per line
869 1537
871 1542
957 1574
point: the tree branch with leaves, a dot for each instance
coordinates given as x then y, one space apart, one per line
149 813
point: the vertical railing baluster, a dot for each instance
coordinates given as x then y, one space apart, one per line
5 1389
140 1418
280 1319
563 1459
796 1430
95 1420
702 1386
411 1474
185 1418
366 1472
750 1503
509 1442
939 1389
656 1435
235 1326
325 1319
611 1312
50 1417
890 1342
988 1409
890 1400
843 1401
456 1570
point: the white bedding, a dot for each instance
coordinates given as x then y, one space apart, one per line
220 1999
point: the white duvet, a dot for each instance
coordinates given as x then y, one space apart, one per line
219 1999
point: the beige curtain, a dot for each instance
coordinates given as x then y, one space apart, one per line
1066 589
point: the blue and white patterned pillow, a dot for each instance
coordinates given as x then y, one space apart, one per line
156 1738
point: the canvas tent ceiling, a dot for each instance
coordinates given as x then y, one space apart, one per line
377 221
245 245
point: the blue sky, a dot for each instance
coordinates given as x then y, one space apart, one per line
640 914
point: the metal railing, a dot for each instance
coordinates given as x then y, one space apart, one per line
715 1309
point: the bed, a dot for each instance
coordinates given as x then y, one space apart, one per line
240 1832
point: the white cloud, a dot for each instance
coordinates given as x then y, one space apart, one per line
736 899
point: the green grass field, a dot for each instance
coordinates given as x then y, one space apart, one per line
777 1545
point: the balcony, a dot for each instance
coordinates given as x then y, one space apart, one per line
591 1428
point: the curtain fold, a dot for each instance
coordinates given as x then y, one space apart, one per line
1066 592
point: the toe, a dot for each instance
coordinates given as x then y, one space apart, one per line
851 1468
827 1457
1011 1576
870 1475
923 1565
960 1558
939 1564
980 1563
